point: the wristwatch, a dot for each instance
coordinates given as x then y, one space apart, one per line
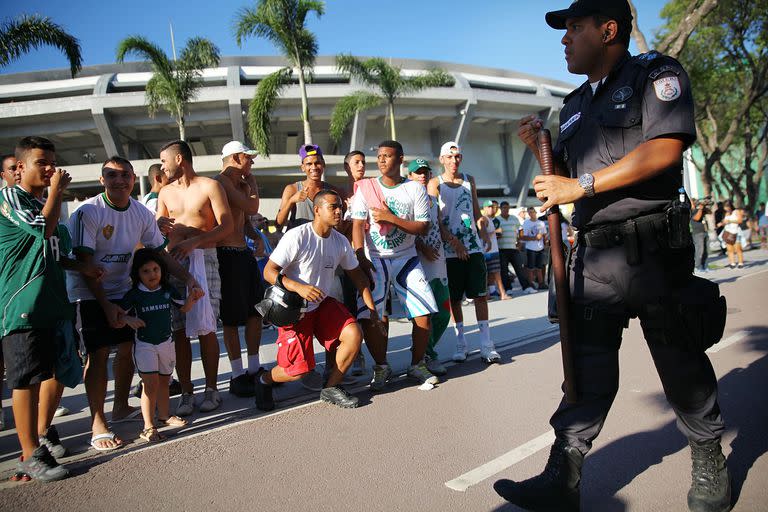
587 182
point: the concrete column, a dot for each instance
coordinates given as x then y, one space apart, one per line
461 127
110 137
235 105
357 138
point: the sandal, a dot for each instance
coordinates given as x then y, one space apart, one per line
173 421
151 435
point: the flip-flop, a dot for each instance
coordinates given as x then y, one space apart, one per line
151 435
100 437
134 415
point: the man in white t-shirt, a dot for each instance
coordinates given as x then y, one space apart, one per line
533 233
305 262
105 230
157 180
395 211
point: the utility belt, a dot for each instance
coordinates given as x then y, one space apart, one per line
667 230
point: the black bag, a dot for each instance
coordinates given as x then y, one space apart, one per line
695 315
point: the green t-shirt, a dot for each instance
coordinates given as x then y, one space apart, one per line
32 290
154 308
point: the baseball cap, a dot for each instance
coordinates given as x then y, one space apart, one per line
615 9
487 202
309 150
417 164
234 147
450 148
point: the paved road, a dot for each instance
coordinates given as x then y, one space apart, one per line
409 450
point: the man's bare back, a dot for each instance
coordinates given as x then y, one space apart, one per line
232 185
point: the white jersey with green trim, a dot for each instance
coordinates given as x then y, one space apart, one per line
407 200
111 234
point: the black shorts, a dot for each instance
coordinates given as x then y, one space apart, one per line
29 357
242 286
534 259
95 329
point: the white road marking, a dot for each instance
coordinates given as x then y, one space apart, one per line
727 342
501 463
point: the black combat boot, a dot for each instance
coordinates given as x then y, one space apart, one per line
710 482
555 489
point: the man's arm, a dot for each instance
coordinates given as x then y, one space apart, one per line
412 227
52 209
237 196
307 291
361 282
112 312
647 160
290 197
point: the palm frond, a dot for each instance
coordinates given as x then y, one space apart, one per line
435 77
354 67
21 35
199 53
261 107
347 107
142 48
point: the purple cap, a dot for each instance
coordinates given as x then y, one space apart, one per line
310 150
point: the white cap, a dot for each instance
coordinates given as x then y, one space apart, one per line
235 147
450 148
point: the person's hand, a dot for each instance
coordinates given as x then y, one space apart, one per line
539 236
133 322
310 293
486 241
194 290
60 180
430 252
299 196
182 249
93 271
165 225
378 323
380 215
459 249
528 130
555 190
115 315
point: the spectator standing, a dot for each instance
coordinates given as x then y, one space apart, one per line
158 180
492 262
509 249
533 233
699 234
731 234
10 174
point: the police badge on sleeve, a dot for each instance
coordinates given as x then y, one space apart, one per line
667 88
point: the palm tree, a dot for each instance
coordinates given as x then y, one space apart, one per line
283 23
21 35
174 82
390 83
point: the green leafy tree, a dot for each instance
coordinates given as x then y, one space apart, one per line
174 83
389 83
282 22
21 35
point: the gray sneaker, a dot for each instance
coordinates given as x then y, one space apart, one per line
489 355
211 400
51 441
42 466
434 366
381 374
312 381
186 404
421 374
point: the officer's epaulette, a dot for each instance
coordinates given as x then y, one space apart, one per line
645 59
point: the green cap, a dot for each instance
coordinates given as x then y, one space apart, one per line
487 202
417 164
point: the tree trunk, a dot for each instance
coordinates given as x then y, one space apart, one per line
392 131
673 43
637 35
182 130
304 108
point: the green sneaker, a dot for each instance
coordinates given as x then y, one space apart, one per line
381 374
421 374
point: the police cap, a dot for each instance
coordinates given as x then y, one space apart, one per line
617 10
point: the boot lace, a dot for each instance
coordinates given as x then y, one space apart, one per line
705 474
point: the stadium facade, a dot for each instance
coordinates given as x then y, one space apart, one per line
103 112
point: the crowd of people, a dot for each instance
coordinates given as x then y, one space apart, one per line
140 278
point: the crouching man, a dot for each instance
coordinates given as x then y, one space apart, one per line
304 263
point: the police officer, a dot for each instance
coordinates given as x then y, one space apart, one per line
622 135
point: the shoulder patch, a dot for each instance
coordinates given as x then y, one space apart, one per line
667 88
667 68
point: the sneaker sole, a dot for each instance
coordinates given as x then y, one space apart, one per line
349 406
491 360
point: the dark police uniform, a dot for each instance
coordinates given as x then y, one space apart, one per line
624 266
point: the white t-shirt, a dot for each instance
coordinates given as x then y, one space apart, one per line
490 228
408 200
433 269
533 228
111 235
311 259
150 201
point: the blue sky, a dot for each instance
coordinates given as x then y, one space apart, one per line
508 34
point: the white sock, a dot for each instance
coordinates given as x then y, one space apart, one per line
458 327
237 367
253 364
485 333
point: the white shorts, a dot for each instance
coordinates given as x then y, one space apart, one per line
405 275
151 358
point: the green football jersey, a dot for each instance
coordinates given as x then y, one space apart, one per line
32 289
154 308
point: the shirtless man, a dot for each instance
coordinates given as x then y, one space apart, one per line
241 281
201 218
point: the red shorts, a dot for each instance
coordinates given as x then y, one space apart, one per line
295 353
